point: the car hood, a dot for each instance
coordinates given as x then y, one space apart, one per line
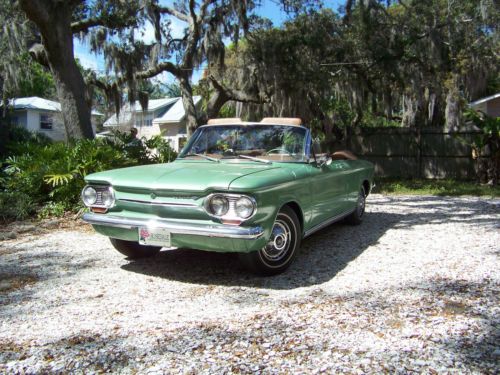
180 175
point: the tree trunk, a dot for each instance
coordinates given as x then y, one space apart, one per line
53 19
387 97
214 105
3 122
453 112
412 111
431 108
188 103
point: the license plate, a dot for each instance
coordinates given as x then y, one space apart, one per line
155 237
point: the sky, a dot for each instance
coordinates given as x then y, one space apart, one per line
269 9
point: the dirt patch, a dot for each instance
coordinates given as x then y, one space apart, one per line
9 283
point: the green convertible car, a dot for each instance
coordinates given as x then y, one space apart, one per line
256 189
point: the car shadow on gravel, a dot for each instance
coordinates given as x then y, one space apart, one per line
321 257
327 252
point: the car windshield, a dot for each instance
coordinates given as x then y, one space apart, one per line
260 143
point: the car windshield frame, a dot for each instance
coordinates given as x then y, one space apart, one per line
255 142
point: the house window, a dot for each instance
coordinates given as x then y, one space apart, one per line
144 120
14 120
46 122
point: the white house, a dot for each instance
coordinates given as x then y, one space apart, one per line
163 116
42 116
489 105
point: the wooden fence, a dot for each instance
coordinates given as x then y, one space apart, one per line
418 153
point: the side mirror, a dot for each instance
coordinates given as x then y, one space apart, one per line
326 162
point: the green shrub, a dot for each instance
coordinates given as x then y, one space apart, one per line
485 146
52 174
15 206
18 140
52 209
161 152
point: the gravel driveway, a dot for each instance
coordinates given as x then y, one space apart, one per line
414 288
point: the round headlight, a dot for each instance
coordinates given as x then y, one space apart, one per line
107 198
244 207
89 195
218 205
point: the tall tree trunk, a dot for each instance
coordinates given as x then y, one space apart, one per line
53 19
431 108
412 111
214 105
453 112
3 122
387 97
188 103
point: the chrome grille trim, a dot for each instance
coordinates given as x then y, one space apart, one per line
98 201
154 203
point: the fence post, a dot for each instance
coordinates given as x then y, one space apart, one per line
419 152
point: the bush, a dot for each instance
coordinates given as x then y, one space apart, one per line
15 206
486 146
52 209
18 139
52 174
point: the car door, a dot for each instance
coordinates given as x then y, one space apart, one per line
329 189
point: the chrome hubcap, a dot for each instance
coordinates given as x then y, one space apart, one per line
278 244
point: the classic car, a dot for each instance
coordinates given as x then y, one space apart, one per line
255 188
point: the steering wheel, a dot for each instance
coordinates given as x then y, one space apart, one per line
279 150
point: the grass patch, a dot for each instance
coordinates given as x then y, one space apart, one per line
434 187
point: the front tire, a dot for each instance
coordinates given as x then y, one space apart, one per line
133 250
281 249
357 216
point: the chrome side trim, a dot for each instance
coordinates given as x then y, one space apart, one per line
153 203
175 227
327 222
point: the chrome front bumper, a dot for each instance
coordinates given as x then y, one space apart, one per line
175 227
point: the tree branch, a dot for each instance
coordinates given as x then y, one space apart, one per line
173 12
192 11
143 74
165 66
36 10
237 95
203 9
193 37
109 22
224 94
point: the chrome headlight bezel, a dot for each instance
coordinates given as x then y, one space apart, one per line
86 192
220 200
250 207
104 196
231 213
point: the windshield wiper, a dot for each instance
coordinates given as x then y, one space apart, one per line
255 159
202 156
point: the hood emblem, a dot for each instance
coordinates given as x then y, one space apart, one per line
153 196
